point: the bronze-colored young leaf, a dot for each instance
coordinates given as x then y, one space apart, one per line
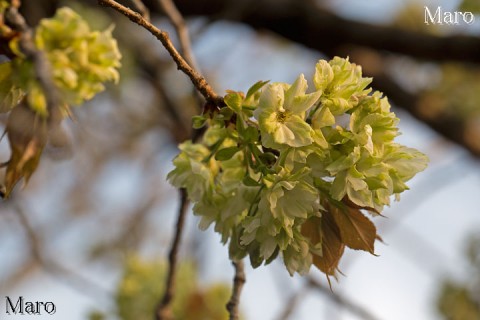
311 229
27 136
356 230
326 231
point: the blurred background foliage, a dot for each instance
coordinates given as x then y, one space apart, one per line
470 5
98 214
461 300
143 282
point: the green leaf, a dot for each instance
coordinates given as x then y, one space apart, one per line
199 121
251 134
234 101
250 182
226 154
268 158
254 89
225 114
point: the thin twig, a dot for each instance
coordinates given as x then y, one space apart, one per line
198 80
183 35
142 9
163 311
182 32
181 28
351 306
238 282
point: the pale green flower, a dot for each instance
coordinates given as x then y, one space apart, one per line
285 202
281 114
370 181
230 200
288 196
225 208
276 157
341 83
192 172
81 60
218 133
405 162
372 117
323 75
294 159
297 256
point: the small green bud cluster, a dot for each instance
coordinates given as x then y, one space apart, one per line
275 165
81 61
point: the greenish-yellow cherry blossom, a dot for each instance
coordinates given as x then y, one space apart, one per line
282 172
281 114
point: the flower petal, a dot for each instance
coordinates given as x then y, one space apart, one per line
296 89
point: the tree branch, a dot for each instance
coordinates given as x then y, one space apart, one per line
198 80
163 311
238 282
141 8
181 28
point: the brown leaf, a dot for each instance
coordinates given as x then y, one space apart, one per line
356 230
27 136
324 229
311 229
